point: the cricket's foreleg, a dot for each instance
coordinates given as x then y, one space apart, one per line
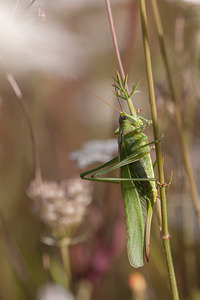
145 120
138 147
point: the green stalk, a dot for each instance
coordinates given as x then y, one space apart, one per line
185 153
64 250
165 232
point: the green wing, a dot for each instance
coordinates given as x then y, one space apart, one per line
135 211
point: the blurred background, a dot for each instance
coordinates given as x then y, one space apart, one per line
45 46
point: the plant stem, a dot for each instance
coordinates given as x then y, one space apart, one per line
22 103
185 153
16 260
64 250
165 232
119 61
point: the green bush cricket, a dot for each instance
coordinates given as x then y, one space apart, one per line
137 178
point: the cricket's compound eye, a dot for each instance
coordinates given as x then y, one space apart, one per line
122 118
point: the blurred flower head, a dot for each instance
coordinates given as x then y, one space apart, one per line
95 151
31 40
51 291
61 207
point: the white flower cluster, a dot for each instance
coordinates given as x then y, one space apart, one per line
95 151
61 206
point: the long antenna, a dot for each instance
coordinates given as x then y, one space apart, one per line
90 91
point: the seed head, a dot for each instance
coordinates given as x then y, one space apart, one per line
61 207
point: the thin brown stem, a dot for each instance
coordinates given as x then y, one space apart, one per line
185 152
119 61
23 105
16 260
130 35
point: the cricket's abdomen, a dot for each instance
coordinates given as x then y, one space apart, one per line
143 169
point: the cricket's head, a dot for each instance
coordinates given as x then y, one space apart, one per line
130 121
